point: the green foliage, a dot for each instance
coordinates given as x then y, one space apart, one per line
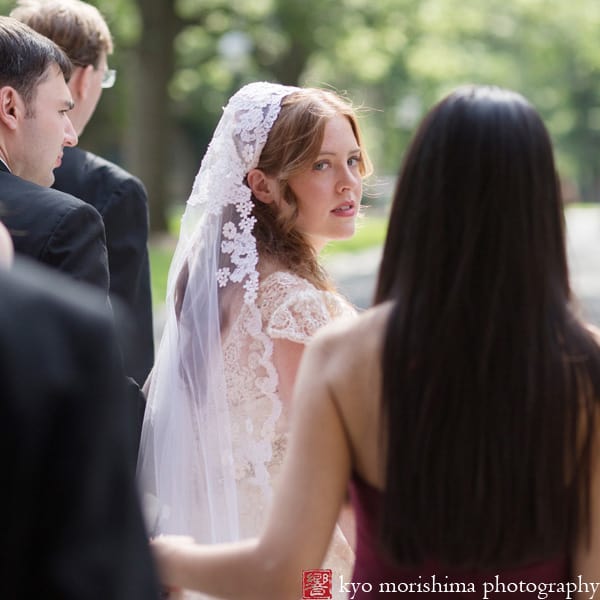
399 57
160 259
546 49
395 57
123 19
370 232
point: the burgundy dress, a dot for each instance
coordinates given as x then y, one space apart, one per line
374 575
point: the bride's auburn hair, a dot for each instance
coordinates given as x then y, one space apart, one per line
293 144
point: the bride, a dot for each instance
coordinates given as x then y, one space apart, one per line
281 177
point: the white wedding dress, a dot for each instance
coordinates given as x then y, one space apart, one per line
290 308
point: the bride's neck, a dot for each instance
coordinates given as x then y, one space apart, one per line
267 266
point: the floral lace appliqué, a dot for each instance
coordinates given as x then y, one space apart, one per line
241 136
287 307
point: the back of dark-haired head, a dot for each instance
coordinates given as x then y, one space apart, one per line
478 186
26 56
482 396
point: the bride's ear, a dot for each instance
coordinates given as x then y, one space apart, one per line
263 187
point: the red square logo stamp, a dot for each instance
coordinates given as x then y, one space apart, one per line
316 583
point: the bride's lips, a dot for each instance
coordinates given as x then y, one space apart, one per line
345 209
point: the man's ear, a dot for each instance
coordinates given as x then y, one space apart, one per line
263 187
12 107
81 79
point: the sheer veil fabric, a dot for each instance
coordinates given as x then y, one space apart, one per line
186 469
215 428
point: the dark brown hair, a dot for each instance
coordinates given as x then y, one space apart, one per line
490 383
25 57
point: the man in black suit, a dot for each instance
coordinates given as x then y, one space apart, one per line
72 524
49 226
81 31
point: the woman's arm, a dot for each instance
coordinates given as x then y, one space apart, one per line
307 502
286 358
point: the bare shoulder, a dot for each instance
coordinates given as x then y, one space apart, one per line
347 351
357 336
344 358
595 331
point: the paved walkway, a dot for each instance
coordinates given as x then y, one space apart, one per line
355 274
583 247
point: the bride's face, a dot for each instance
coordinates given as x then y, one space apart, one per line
328 193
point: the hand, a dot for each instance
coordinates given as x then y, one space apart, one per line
171 593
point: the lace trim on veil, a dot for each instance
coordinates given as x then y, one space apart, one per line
185 469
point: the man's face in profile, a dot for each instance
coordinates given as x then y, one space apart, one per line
46 129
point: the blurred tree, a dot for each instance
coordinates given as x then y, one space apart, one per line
149 126
179 61
350 45
548 50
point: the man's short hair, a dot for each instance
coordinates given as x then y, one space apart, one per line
25 57
77 27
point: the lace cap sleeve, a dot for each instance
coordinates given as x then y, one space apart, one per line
294 309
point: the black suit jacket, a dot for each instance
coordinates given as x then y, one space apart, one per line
121 200
72 525
55 229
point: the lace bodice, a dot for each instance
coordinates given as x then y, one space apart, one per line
293 309
289 308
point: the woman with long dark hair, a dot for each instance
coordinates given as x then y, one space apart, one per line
463 408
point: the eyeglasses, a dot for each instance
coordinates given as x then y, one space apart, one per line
108 78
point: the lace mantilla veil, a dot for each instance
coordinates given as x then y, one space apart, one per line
185 469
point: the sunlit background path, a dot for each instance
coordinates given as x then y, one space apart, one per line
583 243
355 274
